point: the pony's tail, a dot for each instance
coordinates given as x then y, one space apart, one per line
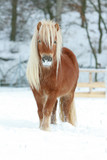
72 118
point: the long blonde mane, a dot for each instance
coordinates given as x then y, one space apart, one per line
47 34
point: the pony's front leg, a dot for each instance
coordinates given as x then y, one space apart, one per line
39 100
47 112
40 113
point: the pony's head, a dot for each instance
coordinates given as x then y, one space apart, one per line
48 41
45 49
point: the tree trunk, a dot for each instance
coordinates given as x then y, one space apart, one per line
92 48
102 19
58 10
99 27
13 20
83 9
49 9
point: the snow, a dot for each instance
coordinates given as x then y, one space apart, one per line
21 138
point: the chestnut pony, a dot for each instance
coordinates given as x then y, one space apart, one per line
52 72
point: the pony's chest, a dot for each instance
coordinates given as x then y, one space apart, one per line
48 83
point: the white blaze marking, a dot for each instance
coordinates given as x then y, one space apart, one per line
46 63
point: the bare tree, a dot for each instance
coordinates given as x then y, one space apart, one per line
100 28
82 13
100 22
97 10
58 10
49 9
47 6
52 9
79 6
99 49
13 20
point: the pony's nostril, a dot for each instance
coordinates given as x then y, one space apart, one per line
50 58
43 59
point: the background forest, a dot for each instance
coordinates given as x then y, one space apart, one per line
84 31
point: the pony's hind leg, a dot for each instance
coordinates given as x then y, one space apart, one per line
65 102
53 116
67 109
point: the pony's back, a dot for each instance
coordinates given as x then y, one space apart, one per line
71 55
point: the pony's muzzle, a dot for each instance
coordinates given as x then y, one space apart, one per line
46 60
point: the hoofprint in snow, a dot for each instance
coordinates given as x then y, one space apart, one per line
21 138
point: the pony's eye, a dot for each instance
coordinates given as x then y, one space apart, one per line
54 42
39 41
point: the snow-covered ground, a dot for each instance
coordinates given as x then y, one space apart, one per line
21 138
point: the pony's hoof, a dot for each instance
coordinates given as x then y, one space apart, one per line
53 123
45 128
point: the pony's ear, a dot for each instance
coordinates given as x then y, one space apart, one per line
39 25
57 26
